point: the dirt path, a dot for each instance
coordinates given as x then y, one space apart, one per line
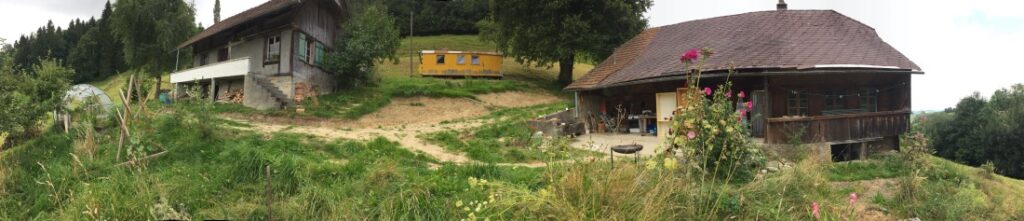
403 120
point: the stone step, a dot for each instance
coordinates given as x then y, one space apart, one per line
275 92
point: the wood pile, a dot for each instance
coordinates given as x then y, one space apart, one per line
234 96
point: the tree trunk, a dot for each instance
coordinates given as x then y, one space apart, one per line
158 83
565 69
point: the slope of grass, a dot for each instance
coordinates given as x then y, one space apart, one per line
395 81
212 172
356 103
508 139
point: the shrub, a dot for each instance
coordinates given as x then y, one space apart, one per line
708 134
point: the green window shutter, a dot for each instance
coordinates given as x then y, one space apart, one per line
319 53
303 48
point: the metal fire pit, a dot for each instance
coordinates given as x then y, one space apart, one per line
626 149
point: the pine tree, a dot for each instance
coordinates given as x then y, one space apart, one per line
216 12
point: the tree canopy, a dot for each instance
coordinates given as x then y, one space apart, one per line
151 31
978 131
543 32
434 17
370 37
87 46
29 95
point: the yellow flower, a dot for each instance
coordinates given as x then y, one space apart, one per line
671 163
458 204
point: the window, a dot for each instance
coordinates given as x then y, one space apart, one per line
835 100
797 103
273 49
319 54
223 54
303 52
204 59
868 99
461 59
475 59
440 59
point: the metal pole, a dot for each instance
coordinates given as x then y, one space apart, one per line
411 50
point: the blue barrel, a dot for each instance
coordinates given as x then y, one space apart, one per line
165 98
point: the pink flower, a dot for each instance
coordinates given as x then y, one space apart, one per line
853 198
728 94
743 113
689 56
741 95
707 91
750 105
691 135
814 210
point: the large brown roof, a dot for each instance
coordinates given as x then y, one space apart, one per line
240 18
784 39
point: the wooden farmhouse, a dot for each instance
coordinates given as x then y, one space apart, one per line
269 56
813 75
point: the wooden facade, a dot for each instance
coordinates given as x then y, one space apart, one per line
838 106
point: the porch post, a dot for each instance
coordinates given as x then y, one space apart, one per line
767 111
576 100
213 90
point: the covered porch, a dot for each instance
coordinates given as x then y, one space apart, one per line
223 81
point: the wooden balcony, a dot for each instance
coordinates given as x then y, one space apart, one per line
839 128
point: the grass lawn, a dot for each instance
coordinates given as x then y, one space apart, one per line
213 172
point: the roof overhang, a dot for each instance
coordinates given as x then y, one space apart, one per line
816 70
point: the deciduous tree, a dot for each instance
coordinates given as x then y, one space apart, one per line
543 32
151 30
370 37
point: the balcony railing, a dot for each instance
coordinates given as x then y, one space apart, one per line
230 68
847 127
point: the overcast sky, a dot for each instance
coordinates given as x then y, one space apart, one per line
963 46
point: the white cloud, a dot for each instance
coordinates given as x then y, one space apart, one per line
963 46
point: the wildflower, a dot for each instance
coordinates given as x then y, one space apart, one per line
741 95
650 164
707 91
689 56
750 105
691 134
814 210
853 198
671 163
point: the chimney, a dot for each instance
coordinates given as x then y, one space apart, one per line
782 5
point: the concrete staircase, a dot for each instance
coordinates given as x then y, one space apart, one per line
276 93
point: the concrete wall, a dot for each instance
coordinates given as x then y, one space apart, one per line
257 97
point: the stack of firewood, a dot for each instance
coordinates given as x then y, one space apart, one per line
233 96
